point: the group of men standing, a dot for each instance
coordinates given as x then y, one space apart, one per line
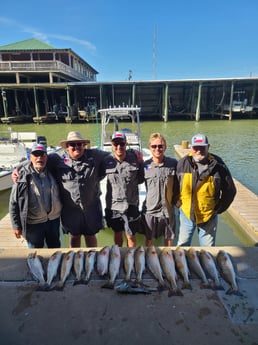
49 188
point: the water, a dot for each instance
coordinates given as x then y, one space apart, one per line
236 142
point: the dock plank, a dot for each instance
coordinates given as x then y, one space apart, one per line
7 238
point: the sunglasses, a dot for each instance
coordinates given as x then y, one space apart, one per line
38 154
122 144
160 147
199 148
75 144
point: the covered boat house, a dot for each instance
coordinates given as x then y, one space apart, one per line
41 83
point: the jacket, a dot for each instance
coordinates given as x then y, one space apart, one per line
19 199
208 193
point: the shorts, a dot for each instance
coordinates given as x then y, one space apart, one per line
156 227
118 220
82 222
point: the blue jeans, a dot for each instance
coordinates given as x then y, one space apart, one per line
37 234
206 231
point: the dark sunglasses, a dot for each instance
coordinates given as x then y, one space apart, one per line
75 144
38 154
122 144
157 146
199 148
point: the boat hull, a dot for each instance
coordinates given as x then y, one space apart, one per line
5 180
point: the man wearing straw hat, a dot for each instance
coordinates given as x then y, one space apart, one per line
78 175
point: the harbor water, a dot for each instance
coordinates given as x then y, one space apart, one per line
236 142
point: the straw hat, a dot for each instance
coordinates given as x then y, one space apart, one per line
74 137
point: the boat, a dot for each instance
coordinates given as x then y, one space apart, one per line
115 119
15 148
112 120
239 103
12 152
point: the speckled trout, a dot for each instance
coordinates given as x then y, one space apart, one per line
52 267
168 267
66 266
227 272
103 260
113 266
36 268
196 267
153 264
129 263
139 263
90 259
182 267
78 265
209 266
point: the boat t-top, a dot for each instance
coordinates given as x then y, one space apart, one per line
125 119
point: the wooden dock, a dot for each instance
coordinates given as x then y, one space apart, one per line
7 238
244 209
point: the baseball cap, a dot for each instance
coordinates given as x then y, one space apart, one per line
200 140
118 135
38 147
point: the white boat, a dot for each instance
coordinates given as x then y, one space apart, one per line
112 120
127 120
14 149
12 152
239 104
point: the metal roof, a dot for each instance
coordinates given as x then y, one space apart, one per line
30 44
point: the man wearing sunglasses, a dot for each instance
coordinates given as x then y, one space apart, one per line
124 170
35 205
161 193
79 174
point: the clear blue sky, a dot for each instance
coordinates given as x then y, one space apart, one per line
166 39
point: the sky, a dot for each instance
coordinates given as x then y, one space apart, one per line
144 39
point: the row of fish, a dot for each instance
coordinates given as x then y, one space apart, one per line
166 265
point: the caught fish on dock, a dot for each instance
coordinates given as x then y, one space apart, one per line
66 266
36 269
139 263
129 263
103 260
90 258
113 267
168 267
127 288
196 267
227 272
52 267
182 267
153 264
209 266
78 264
